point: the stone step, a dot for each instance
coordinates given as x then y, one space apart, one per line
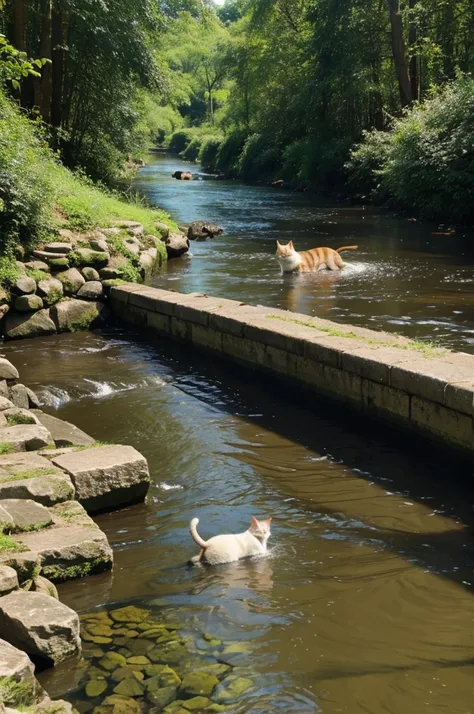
22 515
58 247
44 628
71 548
107 477
25 437
64 434
29 475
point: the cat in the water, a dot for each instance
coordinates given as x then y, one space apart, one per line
309 261
227 548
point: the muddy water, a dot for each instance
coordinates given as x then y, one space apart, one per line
402 279
365 602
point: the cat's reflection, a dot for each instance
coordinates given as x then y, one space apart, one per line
304 290
255 574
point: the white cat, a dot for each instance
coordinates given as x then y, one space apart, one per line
227 548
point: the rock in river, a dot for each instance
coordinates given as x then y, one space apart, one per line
40 626
176 244
28 324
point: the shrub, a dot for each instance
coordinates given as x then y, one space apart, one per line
180 140
25 188
192 150
366 162
228 153
259 158
209 150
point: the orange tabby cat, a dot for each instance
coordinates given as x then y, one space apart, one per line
309 261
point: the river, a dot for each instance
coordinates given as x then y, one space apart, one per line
365 602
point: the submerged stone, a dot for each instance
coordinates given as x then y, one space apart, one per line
112 660
116 704
130 687
171 653
140 660
161 697
96 687
218 670
129 614
198 684
232 688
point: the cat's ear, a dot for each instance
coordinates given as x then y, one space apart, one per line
278 244
290 244
254 522
268 520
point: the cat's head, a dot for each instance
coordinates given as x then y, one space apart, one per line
260 529
285 251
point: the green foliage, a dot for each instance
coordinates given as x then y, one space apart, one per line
15 65
260 158
5 448
228 153
19 418
208 153
37 274
191 152
181 139
9 271
25 186
426 162
366 162
8 545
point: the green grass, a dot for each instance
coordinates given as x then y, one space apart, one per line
6 448
37 274
83 206
428 349
8 545
14 419
30 473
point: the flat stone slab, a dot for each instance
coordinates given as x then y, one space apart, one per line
107 477
58 247
8 581
25 437
40 626
47 490
25 515
72 548
64 434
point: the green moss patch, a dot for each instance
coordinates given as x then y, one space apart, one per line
8 545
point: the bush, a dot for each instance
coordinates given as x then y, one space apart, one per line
259 158
25 187
366 162
228 153
209 150
180 140
191 152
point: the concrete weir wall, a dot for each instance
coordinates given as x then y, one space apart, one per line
426 390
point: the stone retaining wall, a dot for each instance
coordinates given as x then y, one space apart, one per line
426 390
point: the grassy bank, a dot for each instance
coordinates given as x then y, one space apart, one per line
39 196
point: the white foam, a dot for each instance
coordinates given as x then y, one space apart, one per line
170 487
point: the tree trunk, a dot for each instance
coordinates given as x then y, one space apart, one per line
414 61
399 52
44 84
59 41
19 23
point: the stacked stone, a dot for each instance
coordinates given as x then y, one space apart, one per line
64 286
52 475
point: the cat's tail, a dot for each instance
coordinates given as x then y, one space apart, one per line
347 247
195 535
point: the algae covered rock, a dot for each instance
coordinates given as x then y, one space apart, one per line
28 303
161 698
218 670
87 256
232 688
77 315
112 660
90 274
170 653
71 280
118 704
23 325
50 290
197 684
129 614
96 687
92 290
130 687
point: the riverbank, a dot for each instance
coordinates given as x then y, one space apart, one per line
52 476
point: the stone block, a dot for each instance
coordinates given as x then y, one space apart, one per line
286 363
380 398
251 353
40 626
428 378
8 581
48 489
91 290
64 434
206 337
159 323
460 396
145 300
25 515
25 437
274 333
180 329
193 313
71 280
374 362
23 325
107 477
441 422
17 668
19 396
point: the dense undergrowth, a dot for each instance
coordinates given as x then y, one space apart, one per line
38 195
